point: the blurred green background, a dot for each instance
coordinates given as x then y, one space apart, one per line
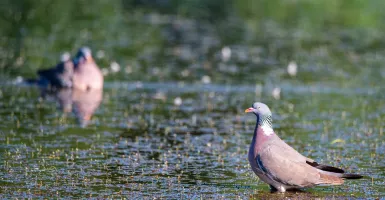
157 40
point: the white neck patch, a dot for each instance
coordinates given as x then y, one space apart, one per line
267 130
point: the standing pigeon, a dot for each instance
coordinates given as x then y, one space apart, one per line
282 167
87 74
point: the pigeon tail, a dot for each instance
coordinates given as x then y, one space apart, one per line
351 176
325 167
333 171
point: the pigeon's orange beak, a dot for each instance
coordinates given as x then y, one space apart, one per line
249 110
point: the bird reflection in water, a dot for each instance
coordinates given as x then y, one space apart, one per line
82 103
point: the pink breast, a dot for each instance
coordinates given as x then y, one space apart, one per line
261 138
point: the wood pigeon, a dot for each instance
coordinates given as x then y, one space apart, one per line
282 167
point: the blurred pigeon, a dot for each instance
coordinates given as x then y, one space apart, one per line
282 167
87 74
59 76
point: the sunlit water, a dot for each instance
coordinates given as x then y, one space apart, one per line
142 143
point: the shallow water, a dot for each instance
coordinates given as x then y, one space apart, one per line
140 145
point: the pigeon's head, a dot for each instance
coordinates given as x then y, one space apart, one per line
66 65
259 109
65 57
84 54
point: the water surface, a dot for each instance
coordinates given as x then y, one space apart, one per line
140 145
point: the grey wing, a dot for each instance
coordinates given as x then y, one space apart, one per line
289 151
278 164
295 155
